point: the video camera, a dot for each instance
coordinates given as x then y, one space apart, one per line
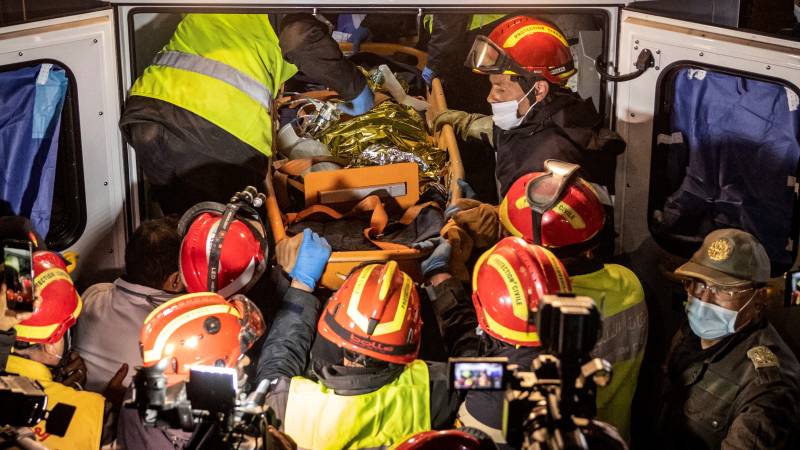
210 404
25 405
549 406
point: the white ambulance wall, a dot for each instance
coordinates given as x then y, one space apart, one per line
85 45
152 31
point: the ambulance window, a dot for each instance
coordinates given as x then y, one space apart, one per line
725 155
43 179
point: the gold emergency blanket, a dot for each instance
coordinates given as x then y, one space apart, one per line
389 133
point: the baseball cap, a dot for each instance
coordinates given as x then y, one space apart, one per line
728 257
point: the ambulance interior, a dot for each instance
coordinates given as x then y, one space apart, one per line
689 167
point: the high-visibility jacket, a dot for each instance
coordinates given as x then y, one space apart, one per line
319 419
620 299
226 68
475 22
86 427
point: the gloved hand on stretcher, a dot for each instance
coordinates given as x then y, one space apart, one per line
311 260
466 125
439 259
359 105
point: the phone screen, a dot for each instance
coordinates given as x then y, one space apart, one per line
792 288
18 275
474 375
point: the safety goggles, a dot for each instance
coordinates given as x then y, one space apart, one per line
546 190
488 58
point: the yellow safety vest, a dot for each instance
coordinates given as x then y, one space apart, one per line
620 297
318 419
226 68
477 21
86 426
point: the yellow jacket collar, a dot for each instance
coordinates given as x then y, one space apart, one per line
26 367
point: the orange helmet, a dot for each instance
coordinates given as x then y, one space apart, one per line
376 312
61 304
573 213
526 47
223 249
446 439
508 281
201 329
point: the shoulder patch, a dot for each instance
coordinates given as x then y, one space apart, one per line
762 357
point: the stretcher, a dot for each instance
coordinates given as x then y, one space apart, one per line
342 262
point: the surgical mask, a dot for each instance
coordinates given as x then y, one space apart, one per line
710 321
504 114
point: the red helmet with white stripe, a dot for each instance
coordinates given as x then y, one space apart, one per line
507 284
200 329
221 255
376 313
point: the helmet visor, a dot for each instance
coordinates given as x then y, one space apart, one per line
545 191
251 321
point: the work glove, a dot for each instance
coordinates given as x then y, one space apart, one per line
311 259
479 220
439 259
466 126
361 34
462 250
466 192
359 105
73 372
428 75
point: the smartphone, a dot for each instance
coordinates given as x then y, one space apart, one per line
792 297
482 374
18 275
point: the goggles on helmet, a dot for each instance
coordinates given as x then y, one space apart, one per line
488 58
546 190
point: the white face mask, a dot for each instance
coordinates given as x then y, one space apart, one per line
504 114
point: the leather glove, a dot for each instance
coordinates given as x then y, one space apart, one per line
479 220
466 126
462 249
359 105
73 373
311 259
439 259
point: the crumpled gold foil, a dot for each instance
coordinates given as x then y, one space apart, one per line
387 126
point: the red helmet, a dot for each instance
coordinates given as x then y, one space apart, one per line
61 304
443 440
524 46
201 329
225 259
508 281
376 312
577 214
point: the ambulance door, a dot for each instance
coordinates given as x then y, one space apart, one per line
712 132
86 218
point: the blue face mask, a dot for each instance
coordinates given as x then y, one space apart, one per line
710 321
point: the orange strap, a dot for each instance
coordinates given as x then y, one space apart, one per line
377 223
295 167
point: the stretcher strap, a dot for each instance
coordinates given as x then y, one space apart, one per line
378 221
295 167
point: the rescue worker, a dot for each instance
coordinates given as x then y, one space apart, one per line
378 392
113 313
41 349
507 284
571 222
534 118
200 116
199 329
730 379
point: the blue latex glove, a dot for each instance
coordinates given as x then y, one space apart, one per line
359 105
361 34
311 259
467 192
439 260
428 75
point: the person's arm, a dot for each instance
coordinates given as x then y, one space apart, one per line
447 34
285 351
307 43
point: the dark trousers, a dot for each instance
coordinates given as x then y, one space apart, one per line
187 159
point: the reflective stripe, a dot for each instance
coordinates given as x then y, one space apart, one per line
217 70
624 335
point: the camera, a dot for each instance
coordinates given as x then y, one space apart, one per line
209 404
25 405
550 404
